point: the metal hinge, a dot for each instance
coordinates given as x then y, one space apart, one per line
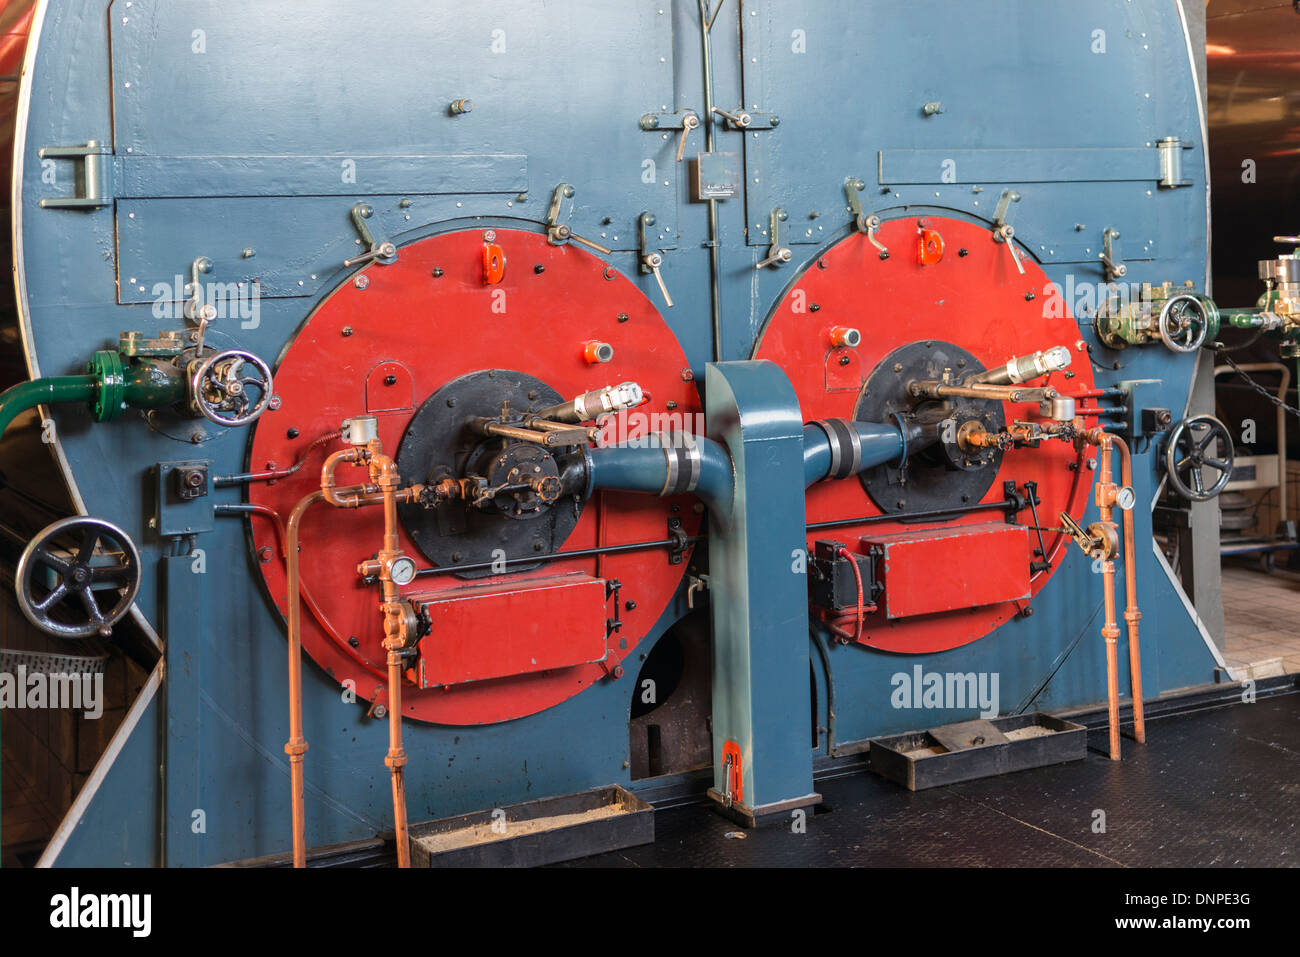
91 176
1171 162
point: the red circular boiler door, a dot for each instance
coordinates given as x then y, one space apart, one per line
506 645
945 281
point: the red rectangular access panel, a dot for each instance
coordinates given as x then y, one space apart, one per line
944 569
496 630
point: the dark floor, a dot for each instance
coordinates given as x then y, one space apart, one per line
1211 788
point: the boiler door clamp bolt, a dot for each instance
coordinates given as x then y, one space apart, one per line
739 120
1109 255
651 259
195 309
777 253
863 221
684 120
383 252
557 233
1003 232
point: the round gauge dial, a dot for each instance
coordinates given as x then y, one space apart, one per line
402 570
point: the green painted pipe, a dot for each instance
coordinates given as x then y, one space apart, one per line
28 395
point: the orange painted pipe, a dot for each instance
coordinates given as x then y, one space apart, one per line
296 747
1110 630
383 490
1131 614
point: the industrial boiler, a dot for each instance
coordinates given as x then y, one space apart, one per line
476 404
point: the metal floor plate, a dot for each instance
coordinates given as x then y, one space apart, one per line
1210 788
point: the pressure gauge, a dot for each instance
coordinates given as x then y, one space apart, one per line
402 570
1125 498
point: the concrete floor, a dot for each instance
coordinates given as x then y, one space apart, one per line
1262 619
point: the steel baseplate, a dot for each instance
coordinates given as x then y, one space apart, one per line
778 812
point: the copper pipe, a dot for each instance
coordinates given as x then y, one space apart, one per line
385 479
312 606
332 461
296 747
383 472
396 757
382 490
1131 614
1109 631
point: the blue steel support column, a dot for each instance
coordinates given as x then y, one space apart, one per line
759 594
183 616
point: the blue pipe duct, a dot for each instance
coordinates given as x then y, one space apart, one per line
649 465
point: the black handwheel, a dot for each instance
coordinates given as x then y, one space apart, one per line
78 577
1192 450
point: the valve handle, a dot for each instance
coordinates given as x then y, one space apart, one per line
1190 450
219 390
1183 323
97 559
